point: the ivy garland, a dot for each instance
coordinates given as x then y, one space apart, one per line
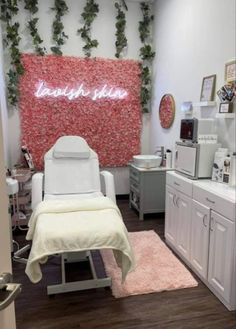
32 7
121 40
59 35
9 8
90 12
146 54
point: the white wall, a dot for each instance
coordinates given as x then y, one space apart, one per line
103 30
3 107
193 39
7 316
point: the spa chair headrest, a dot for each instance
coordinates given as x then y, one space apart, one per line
71 147
71 167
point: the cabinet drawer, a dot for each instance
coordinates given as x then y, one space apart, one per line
134 174
179 183
215 202
134 186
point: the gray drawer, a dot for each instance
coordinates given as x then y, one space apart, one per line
134 174
134 186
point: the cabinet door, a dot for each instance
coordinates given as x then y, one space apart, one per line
221 254
153 191
184 205
200 238
171 216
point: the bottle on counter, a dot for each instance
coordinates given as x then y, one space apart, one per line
232 178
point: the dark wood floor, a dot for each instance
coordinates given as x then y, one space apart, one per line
186 308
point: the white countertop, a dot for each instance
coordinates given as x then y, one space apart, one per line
221 189
182 177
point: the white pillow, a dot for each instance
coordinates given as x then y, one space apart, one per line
71 147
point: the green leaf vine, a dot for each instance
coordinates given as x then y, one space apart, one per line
9 8
59 35
147 54
144 26
90 12
32 7
121 40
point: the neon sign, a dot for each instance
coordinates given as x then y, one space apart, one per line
80 91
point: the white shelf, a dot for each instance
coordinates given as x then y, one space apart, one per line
225 115
204 104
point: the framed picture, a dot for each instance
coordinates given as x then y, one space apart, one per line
208 88
226 107
230 71
226 93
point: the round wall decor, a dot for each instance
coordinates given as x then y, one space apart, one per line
167 111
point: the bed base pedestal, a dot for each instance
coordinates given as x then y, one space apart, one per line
64 286
78 285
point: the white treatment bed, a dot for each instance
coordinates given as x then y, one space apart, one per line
74 217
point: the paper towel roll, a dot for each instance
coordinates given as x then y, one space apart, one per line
168 159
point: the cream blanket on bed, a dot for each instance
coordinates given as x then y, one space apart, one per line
58 226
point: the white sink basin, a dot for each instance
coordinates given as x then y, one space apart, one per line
147 161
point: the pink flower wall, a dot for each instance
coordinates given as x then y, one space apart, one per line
98 99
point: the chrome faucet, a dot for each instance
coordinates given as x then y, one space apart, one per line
160 151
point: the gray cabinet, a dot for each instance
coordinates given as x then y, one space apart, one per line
147 190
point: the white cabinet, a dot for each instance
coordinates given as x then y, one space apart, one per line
178 217
221 252
200 238
216 202
170 215
183 204
200 227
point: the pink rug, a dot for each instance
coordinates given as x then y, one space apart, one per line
157 268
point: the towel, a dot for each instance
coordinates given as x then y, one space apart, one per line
58 226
